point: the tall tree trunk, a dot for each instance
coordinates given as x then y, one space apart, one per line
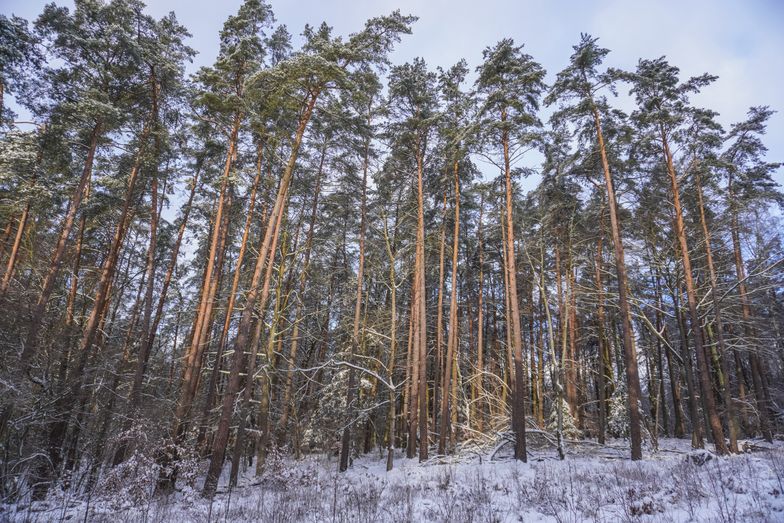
732 423
479 399
213 382
391 252
154 216
451 350
572 392
763 406
438 383
630 353
412 374
135 394
691 296
556 367
303 280
193 357
675 383
252 302
14 255
420 315
518 401
275 324
351 394
110 263
604 365
691 387
37 316
101 299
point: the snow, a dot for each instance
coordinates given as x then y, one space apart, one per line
594 483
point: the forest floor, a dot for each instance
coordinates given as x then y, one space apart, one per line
594 483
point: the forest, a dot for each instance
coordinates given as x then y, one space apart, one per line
308 250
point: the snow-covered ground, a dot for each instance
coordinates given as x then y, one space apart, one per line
593 484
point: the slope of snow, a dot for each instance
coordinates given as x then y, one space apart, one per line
593 484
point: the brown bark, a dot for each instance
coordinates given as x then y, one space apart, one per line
675 382
451 350
14 255
732 422
438 383
509 376
479 397
247 392
135 394
193 356
345 440
391 416
571 368
412 375
252 302
37 316
763 405
419 361
303 279
691 296
209 402
696 429
154 214
604 371
110 263
96 318
518 401
630 353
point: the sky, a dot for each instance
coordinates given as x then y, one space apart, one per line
741 41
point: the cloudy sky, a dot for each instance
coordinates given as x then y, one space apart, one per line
740 41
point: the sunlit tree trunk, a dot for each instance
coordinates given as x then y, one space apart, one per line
192 362
420 333
451 350
303 279
732 423
135 394
36 318
345 440
632 374
253 302
520 387
696 328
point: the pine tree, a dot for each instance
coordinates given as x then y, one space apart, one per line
662 107
749 181
413 108
19 58
324 64
511 83
578 83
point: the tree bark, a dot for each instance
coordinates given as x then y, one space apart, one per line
36 319
696 328
451 350
252 302
480 352
518 401
193 356
732 423
303 279
630 353
345 440
763 406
